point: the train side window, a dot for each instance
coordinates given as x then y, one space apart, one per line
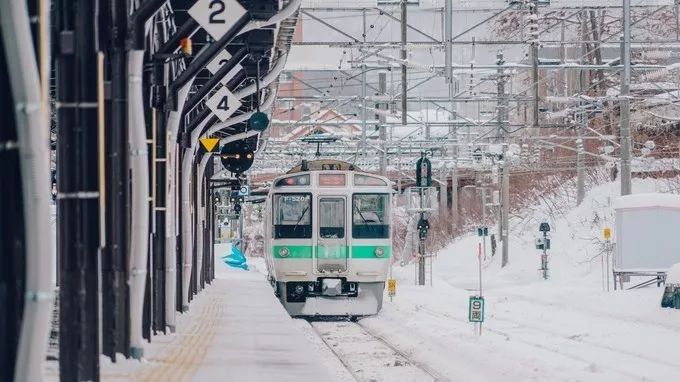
332 218
370 216
292 216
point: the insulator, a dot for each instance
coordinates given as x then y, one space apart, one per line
657 54
655 74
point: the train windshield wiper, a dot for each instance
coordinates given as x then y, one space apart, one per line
360 214
302 215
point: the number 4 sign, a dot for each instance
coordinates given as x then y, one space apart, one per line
217 16
223 103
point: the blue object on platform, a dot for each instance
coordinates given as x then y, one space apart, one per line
235 259
237 254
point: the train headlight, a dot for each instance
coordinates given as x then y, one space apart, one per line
299 289
379 252
283 252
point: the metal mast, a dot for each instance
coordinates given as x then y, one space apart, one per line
404 84
625 103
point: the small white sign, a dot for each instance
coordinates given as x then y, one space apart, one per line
244 191
223 103
476 309
217 62
217 16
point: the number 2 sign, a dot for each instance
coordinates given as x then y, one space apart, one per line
217 16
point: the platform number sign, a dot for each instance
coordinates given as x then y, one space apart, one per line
217 62
222 58
223 103
219 8
391 287
476 309
217 16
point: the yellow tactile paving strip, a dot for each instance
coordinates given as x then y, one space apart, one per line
181 358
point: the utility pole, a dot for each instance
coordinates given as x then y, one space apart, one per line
404 84
582 120
423 184
564 85
363 110
454 198
382 89
442 192
421 246
505 205
580 166
363 95
453 131
533 38
677 23
448 61
625 103
502 101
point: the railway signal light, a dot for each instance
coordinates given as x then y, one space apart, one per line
186 46
237 156
423 172
423 227
258 121
235 198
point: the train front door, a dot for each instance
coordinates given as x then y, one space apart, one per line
331 239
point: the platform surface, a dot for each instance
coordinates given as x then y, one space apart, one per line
236 330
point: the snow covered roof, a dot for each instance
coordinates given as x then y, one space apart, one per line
673 275
647 201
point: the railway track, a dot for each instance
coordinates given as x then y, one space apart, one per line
368 356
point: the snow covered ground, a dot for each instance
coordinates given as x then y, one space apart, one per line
563 329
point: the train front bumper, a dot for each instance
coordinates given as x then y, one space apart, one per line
365 299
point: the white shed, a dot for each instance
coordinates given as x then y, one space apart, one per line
647 232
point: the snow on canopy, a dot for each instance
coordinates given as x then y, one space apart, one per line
647 201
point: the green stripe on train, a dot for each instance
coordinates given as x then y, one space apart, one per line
358 252
368 251
294 251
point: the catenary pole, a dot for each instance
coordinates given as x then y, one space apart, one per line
625 103
404 82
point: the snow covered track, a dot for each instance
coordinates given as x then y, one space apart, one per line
368 356
623 365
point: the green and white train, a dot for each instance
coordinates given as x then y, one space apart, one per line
328 240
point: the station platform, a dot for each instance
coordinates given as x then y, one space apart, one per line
236 330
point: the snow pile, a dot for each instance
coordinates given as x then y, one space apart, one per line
673 276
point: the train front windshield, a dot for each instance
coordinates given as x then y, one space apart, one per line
370 216
292 216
